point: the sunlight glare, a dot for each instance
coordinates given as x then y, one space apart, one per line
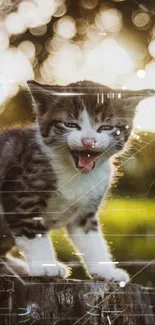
145 116
65 27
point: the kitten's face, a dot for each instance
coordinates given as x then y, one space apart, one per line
85 125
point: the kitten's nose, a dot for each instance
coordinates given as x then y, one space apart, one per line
88 142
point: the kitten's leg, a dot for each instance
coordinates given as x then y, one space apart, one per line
31 237
40 256
87 238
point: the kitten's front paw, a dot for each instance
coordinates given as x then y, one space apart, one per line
112 274
57 270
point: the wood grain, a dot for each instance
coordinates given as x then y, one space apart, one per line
44 301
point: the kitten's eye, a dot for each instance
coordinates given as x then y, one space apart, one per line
72 125
105 128
120 129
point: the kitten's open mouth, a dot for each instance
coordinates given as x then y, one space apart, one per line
85 159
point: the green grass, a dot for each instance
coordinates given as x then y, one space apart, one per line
129 227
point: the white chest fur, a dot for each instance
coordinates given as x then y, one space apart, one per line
78 193
82 187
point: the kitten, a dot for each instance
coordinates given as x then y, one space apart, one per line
54 173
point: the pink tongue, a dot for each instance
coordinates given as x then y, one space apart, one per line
86 162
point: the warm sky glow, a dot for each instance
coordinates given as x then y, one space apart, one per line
145 117
98 56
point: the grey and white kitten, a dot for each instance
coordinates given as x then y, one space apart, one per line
54 173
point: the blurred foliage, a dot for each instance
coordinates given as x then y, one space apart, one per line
137 167
16 111
129 227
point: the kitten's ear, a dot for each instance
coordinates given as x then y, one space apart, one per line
41 96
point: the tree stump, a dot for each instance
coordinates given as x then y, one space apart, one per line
45 301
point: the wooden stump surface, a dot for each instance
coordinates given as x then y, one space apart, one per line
44 301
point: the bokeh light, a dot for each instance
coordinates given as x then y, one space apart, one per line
64 65
36 13
39 31
14 23
4 40
111 20
110 57
152 48
82 26
150 73
92 44
65 27
153 31
54 44
141 19
16 69
4 37
145 116
89 4
29 13
94 33
141 74
28 49
133 82
60 11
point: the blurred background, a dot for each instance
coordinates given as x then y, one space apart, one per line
111 42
